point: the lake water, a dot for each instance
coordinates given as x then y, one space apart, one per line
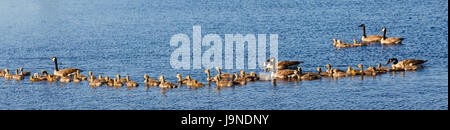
132 38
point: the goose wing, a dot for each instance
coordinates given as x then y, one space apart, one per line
408 62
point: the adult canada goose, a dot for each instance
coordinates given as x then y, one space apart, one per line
284 74
370 38
390 40
356 43
17 76
408 64
131 83
269 64
63 72
165 84
366 72
24 73
150 82
64 79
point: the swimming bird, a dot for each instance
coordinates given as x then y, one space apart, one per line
117 83
120 79
338 74
165 84
324 74
341 44
80 76
334 41
407 64
379 68
7 75
352 72
284 74
269 64
91 77
63 72
150 82
390 40
181 80
17 76
223 75
224 83
370 38
51 78
24 73
366 72
356 43
239 79
76 78
131 83
197 84
329 69
64 79
208 76
34 79
109 82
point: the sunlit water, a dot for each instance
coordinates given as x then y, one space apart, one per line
132 38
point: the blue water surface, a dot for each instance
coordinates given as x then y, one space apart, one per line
131 37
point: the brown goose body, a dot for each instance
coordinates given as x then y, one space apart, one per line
63 72
390 40
369 38
408 64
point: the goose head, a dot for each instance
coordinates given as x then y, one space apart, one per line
362 25
53 58
392 60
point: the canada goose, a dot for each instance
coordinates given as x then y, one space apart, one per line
329 69
408 64
17 76
379 68
269 64
80 76
341 44
352 72
181 80
131 83
64 79
165 84
7 74
117 83
34 79
51 78
91 77
390 40
197 84
284 74
338 74
76 78
356 43
239 80
109 82
370 38
208 74
2 73
150 82
224 83
223 75
63 72
334 41
43 76
325 74
24 73
120 79
366 72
